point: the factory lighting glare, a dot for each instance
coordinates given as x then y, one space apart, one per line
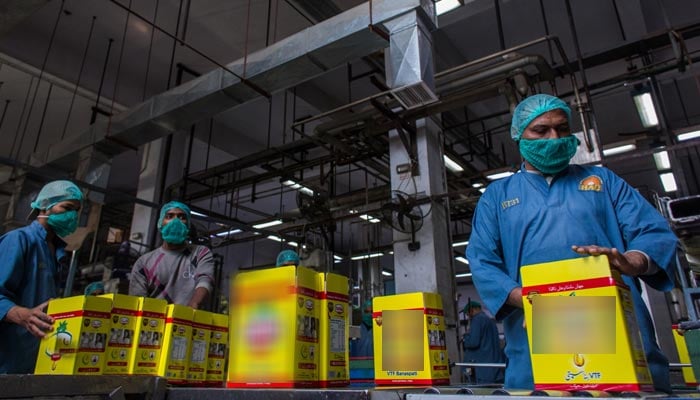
199 214
293 244
646 109
462 260
268 224
457 244
499 175
662 161
452 165
444 6
275 238
227 233
292 184
387 273
477 185
464 275
669 182
365 256
619 149
688 135
370 218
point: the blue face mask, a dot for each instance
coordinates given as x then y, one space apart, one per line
63 224
549 156
174 232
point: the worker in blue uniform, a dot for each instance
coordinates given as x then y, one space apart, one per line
29 274
364 346
551 211
482 344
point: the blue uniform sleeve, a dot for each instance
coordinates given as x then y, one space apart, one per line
644 229
13 246
472 339
491 277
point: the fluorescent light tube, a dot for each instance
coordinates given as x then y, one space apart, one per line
227 233
646 109
464 275
267 224
688 135
293 244
451 164
457 244
370 218
387 273
199 214
477 185
462 259
499 175
364 256
669 181
619 149
662 161
275 238
337 257
444 6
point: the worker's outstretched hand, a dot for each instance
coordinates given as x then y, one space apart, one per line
32 319
632 263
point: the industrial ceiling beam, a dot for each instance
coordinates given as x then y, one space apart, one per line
287 63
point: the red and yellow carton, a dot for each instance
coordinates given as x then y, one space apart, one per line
409 340
274 319
121 340
581 327
150 328
77 344
684 357
334 333
216 361
174 355
199 348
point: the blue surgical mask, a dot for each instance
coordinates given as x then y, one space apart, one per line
549 156
62 224
174 232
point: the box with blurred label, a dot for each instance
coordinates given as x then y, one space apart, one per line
121 340
199 347
409 340
150 327
77 343
218 343
177 337
334 333
274 326
582 328
684 357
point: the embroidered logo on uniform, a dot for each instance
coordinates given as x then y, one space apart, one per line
510 203
591 184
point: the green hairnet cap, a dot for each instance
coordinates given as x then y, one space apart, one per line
470 305
55 192
93 287
169 206
367 304
287 257
531 108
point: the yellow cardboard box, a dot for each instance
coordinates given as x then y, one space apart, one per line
176 343
582 329
334 333
199 348
409 340
150 328
216 361
121 340
77 344
684 357
274 321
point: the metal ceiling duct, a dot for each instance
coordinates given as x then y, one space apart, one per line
287 63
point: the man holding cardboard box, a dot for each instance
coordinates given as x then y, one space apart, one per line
553 211
179 272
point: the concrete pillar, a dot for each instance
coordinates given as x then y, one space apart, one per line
409 62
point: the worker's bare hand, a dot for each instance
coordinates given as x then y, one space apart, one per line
32 319
632 263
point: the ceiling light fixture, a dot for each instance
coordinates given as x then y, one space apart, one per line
444 6
669 182
477 185
227 233
365 256
464 275
645 107
293 244
370 218
387 273
294 185
199 214
463 243
275 238
662 161
499 175
462 260
268 224
619 149
688 135
451 164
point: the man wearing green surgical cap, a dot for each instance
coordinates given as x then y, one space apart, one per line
30 264
553 211
177 271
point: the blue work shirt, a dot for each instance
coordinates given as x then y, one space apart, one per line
524 220
482 345
364 346
28 277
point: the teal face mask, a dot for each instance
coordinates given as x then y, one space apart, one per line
63 224
549 156
174 232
